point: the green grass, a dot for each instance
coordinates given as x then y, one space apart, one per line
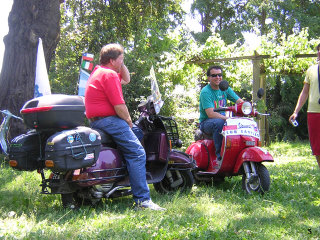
290 210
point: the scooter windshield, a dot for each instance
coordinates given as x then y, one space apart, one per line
155 93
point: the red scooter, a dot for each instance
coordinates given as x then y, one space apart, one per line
241 152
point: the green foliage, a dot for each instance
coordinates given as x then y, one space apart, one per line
152 38
264 17
288 211
142 27
282 100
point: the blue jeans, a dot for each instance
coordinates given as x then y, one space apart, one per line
213 127
133 153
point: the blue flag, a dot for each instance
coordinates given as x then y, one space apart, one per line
83 78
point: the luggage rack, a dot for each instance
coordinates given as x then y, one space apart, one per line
171 128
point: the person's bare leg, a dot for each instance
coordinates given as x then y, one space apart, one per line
318 160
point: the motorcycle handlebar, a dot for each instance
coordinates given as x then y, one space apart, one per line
166 118
139 120
221 109
8 113
264 114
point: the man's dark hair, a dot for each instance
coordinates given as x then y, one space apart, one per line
213 67
318 47
110 51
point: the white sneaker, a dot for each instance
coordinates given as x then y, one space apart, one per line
150 205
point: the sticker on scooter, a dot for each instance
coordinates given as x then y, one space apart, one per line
241 127
89 156
70 139
78 138
242 131
92 137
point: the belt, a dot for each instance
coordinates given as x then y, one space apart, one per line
96 119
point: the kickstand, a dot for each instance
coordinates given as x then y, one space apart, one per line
43 184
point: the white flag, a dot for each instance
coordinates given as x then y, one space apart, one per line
42 85
155 91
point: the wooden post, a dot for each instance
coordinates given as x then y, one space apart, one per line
259 82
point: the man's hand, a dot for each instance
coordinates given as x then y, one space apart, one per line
123 113
125 75
293 116
212 114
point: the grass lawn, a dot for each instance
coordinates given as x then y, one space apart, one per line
290 210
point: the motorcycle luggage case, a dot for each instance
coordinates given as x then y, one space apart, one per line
25 149
73 149
56 111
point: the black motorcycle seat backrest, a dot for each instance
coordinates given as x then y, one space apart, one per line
105 137
199 135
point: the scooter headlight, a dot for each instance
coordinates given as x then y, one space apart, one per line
246 108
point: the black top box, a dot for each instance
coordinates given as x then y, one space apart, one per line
55 111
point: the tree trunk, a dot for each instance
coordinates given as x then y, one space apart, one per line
28 21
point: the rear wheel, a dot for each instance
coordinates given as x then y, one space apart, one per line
175 180
259 183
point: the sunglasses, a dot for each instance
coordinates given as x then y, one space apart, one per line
216 75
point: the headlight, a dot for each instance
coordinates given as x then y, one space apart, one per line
246 108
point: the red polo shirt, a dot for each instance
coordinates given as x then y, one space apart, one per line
103 92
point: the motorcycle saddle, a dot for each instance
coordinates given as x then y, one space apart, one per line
105 137
199 135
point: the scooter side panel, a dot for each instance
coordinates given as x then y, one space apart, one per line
230 153
252 154
203 152
108 168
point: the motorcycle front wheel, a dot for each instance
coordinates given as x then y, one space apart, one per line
260 184
175 180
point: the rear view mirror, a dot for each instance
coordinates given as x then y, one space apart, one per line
223 85
260 93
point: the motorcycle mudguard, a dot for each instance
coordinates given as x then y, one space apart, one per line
252 154
181 161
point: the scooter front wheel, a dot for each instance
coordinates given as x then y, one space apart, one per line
175 180
259 183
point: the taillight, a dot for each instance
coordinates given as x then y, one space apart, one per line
259 144
228 143
38 109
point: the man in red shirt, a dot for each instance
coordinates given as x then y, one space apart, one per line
106 109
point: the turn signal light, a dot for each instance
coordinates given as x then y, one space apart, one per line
49 163
259 144
13 163
228 144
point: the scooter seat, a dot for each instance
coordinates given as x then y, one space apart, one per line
199 135
105 137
